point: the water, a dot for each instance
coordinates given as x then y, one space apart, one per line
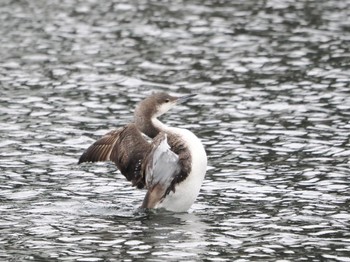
273 110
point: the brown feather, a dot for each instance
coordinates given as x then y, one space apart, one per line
100 150
179 148
160 178
153 196
126 147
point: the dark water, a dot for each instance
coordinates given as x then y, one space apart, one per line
273 111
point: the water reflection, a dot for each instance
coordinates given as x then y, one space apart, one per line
273 106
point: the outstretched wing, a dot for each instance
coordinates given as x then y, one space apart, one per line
102 148
126 147
160 168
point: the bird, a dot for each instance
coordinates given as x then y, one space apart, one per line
169 162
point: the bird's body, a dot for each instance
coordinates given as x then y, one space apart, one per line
171 167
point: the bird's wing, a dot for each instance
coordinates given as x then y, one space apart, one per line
102 148
126 147
160 168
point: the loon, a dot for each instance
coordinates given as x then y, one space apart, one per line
169 162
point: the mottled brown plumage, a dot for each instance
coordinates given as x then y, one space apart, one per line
131 153
126 147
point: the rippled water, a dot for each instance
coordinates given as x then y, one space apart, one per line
273 111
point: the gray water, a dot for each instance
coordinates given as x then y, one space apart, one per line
273 111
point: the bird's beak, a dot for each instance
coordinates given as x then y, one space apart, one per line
183 99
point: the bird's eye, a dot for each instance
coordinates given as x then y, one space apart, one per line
167 100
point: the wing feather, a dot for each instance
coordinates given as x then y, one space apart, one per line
161 168
101 149
126 147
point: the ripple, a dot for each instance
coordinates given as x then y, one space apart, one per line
272 111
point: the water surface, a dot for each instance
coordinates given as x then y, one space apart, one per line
273 111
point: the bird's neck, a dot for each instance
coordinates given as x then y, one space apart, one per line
150 126
158 125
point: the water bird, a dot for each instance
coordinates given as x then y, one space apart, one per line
169 162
